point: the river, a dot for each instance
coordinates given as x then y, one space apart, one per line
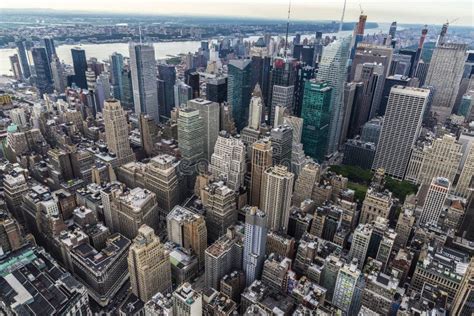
162 49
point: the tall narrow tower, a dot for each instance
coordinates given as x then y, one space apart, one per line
116 131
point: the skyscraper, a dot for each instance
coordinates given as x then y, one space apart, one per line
275 198
401 127
333 69
239 89
143 69
463 304
444 74
282 96
254 243
149 265
346 295
44 79
216 89
282 139
162 178
316 114
167 73
182 93
190 135
16 67
116 131
80 67
434 202
58 73
209 112
48 43
228 161
22 53
188 230
360 243
261 160
116 69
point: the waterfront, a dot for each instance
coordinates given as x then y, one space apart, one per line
162 49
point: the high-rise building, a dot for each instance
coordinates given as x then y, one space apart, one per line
167 73
275 196
444 74
59 75
80 67
116 69
435 199
376 204
161 177
209 112
465 181
216 89
182 93
149 134
463 303
282 140
254 243
116 131
389 83
221 210
48 43
131 209
44 78
188 230
360 243
103 272
186 301
143 73
228 161
22 53
309 175
149 265
256 108
316 114
332 69
283 74
10 233
401 127
282 97
261 160
405 223
190 135
16 67
346 291
239 90
223 257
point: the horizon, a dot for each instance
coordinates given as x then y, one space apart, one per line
434 12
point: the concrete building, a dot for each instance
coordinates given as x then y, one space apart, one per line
143 73
116 131
209 112
254 243
375 204
401 127
228 161
191 135
310 174
223 257
281 138
347 292
149 265
188 230
444 74
186 301
463 303
435 199
360 243
261 160
275 200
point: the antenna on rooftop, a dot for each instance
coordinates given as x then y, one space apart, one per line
342 17
140 32
287 28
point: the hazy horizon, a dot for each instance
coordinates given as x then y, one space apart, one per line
402 11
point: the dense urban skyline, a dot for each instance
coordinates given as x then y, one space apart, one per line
210 166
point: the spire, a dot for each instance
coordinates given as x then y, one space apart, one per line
257 91
287 29
342 17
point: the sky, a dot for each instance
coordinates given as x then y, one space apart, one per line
403 11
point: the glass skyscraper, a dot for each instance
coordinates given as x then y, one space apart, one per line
25 66
44 79
116 68
316 114
80 67
239 89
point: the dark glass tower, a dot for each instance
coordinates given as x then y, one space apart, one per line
80 67
116 68
25 66
239 89
167 73
48 43
44 79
